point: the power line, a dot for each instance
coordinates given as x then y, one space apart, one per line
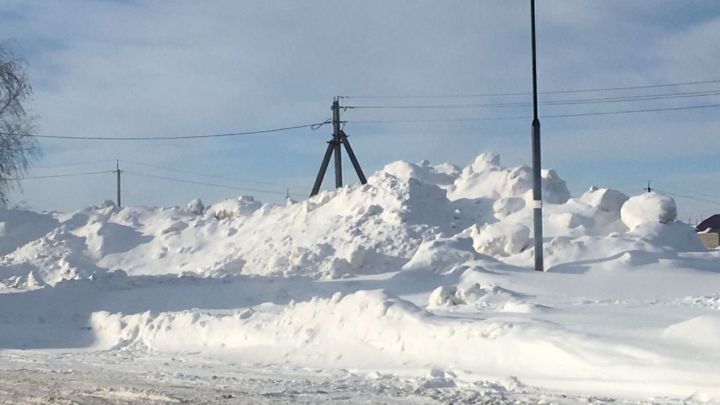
588 114
423 120
683 189
587 90
644 110
154 177
160 138
595 100
69 164
52 176
178 180
624 99
172 169
689 197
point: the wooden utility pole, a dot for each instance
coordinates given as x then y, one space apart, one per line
334 147
117 173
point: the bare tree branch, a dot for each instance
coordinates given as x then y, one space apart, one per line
17 147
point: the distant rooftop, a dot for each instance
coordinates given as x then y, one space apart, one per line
712 223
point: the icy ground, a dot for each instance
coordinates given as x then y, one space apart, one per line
415 288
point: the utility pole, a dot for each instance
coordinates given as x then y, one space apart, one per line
117 172
536 163
337 141
334 147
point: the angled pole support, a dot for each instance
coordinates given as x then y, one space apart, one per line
353 158
323 169
335 148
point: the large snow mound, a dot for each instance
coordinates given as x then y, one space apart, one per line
403 210
426 267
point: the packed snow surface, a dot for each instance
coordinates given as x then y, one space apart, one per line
425 269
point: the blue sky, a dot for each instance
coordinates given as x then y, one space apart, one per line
131 68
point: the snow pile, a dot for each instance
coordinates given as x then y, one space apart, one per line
410 215
426 267
231 208
368 328
702 332
485 297
604 199
441 175
650 207
443 254
500 239
20 227
486 177
196 207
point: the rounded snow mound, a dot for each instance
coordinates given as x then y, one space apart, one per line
604 199
443 174
648 208
486 177
702 331
500 238
486 297
443 254
233 208
196 207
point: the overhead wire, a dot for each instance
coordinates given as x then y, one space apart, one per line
686 190
505 94
178 180
689 197
52 176
313 126
642 110
586 114
69 164
175 179
172 169
595 100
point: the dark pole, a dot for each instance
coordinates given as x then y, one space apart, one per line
334 147
337 139
323 169
353 158
117 172
536 164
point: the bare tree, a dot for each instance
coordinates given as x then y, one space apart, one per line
17 146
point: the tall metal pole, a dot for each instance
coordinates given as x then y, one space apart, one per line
337 139
117 172
536 163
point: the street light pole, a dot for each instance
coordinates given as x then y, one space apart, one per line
536 164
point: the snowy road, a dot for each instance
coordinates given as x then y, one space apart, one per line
135 378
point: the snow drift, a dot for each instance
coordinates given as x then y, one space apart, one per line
425 267
366 229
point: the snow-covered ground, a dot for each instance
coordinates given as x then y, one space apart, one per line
414 288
